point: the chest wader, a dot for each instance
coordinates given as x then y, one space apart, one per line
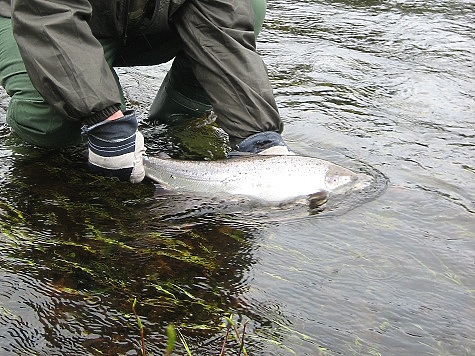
180 95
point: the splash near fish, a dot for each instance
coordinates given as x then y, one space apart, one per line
269 179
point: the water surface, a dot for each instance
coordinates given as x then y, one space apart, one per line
381 86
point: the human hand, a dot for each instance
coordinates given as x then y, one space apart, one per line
116 148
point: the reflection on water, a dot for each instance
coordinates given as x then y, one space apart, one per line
377 86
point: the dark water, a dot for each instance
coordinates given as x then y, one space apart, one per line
387 85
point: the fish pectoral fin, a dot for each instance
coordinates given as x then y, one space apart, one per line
163 155
316 200
163 185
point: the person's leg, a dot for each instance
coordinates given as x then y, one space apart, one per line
30 117
181 95
218 40
28 114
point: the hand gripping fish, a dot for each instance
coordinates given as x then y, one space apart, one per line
271 179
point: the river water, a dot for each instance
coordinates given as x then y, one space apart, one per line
386 85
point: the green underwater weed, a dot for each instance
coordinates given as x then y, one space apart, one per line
232 331
139 322
239 336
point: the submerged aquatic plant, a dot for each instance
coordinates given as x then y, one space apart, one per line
97 238
139 322
239 336
171 336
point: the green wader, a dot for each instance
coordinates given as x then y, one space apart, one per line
180 94
36 122
28 114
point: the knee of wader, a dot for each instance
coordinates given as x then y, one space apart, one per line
36 122
171 106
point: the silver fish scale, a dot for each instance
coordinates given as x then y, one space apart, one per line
265 178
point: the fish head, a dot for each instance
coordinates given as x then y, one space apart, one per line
338 177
